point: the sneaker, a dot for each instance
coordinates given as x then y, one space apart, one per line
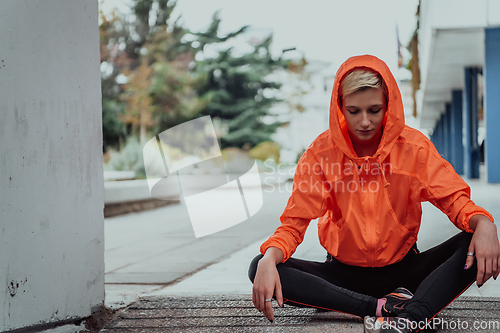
386 325
395 302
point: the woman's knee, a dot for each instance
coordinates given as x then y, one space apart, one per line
253 267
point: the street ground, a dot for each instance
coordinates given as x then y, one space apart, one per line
196 285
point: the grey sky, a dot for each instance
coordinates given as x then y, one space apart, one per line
330 30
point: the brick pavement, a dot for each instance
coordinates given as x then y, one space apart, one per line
235 313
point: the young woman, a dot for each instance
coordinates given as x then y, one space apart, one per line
365 179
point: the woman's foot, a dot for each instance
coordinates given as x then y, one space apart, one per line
394 302
387 325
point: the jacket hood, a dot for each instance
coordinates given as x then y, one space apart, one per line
393 123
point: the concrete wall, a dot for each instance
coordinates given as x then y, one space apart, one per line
51 186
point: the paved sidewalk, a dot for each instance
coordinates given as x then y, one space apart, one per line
217 298
150 250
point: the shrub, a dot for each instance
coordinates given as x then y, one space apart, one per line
266 150
129 158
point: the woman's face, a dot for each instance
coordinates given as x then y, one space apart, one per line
364 112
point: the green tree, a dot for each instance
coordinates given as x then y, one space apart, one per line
112 63
151 80
175 82
147 74
241 93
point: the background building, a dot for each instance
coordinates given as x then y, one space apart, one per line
459 100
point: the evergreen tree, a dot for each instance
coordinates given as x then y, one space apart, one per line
241 95
151 80
147 72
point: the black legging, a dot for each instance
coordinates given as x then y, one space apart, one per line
436 277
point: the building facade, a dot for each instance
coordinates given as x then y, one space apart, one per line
459 101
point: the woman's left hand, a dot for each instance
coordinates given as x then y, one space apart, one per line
485 246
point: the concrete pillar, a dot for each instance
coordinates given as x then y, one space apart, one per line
492 104
441 135
434 137
470 111
456 131
438 136
51 182
449 138
447 133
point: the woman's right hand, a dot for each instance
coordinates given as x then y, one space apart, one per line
267 283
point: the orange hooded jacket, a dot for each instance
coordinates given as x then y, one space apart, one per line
369 208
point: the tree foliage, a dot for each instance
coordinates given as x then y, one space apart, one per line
147 76
151 80
241 94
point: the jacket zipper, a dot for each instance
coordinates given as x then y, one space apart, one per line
370 222
372 231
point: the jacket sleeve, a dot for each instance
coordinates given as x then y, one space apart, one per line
306 203
446 190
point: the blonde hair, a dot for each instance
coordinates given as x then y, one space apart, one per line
360 79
